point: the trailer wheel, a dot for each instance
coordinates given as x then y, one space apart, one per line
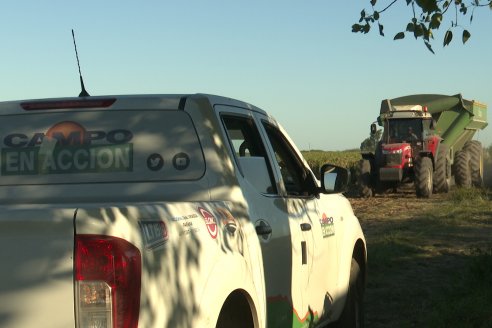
423 177
353 312
462 169
441 177
364 181
474 148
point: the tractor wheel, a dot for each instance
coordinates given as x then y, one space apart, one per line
441 176
364 181
423 177
462 169
474 147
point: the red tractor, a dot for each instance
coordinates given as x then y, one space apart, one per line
425 141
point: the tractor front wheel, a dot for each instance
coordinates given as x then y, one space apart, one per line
423 177
364 181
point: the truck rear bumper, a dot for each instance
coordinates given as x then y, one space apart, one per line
390 174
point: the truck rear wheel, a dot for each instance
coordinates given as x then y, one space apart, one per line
423 177
462 169
474 148
364 181
441 176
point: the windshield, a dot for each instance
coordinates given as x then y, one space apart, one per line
403 130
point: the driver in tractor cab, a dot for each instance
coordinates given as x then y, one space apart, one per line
411 135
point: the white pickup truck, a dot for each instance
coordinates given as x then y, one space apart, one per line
169 211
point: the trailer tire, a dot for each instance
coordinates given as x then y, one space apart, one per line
441 176
474 148
423 177
353 312
462 169
364 181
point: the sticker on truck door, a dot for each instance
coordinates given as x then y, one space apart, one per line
67 147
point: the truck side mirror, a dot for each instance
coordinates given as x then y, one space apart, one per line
373 129
334 179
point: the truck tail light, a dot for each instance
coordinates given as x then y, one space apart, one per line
107 282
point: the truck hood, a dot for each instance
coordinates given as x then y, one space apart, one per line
36 280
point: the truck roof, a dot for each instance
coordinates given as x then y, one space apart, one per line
132 101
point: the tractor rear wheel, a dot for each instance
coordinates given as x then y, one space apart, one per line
462 169
423 177
364 181
441 176
474 147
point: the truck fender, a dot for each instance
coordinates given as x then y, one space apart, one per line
232 275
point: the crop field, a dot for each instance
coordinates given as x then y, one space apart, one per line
429 260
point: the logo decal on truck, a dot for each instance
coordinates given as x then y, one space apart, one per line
154 233
209 222
67 147
327 226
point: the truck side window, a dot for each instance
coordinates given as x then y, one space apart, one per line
250 152
297 180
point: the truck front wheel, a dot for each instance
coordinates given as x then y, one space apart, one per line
423 177
353 312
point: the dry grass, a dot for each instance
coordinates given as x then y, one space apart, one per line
421 253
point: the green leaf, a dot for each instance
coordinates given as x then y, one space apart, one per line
399 36
381 29
410 27
362 13
356 28
466 36
427 44
373 2
471 18
448 37
376 15
428 6
366 28
435 21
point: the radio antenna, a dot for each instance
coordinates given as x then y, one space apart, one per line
83 93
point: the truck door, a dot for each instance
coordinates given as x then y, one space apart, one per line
313 223
278 230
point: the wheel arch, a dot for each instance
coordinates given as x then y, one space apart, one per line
238 310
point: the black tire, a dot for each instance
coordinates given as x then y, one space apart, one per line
423 170
353 312
462 169
441 177
474 148
364 181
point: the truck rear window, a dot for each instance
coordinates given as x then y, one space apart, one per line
99 146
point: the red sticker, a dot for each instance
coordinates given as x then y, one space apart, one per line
209 222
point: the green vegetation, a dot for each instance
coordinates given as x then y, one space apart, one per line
424 18
316 158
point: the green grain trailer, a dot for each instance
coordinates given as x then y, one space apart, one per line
427 140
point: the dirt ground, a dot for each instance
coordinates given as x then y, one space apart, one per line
416 250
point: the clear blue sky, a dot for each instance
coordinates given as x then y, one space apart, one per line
298 60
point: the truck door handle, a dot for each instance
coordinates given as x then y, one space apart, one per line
263 230
305 226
